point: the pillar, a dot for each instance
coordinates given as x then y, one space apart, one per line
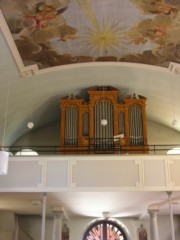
43 226
154 235
57 225
16 232
171 216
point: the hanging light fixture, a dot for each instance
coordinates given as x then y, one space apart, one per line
30 124
4 155
4 159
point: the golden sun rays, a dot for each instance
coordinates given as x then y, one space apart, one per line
101 39
105 40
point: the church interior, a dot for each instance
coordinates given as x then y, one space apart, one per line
90 120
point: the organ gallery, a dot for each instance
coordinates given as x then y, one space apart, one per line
103 123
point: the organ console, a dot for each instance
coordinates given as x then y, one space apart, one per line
103 124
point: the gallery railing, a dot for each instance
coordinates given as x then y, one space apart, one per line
93 147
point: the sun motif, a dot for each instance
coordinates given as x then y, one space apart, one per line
105 40
101 39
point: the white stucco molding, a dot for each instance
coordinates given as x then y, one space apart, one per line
174 67
27 71
23 70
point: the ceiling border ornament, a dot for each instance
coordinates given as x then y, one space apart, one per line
28 71
24 71
174 67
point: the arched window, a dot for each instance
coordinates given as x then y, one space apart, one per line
105 230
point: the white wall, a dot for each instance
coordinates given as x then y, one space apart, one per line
46 136
159 134
164 227
7 225
78 226
50 135
32 225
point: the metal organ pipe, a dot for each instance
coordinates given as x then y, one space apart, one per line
71 126
111 116
66 128
121 123
136 125
103 134
104 128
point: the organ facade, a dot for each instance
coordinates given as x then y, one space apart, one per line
103 123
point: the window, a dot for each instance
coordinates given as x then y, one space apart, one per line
105 230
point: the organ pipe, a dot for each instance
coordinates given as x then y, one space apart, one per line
81 121
136 132
103 134
71 126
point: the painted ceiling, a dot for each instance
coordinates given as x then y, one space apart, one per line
58 32
62 47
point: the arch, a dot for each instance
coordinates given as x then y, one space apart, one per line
105 229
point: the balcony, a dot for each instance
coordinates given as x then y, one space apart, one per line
53 171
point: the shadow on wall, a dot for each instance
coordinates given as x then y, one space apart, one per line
45 136
50 135
159 134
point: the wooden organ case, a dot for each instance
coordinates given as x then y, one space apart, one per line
104 124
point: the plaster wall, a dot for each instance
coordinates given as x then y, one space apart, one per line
79 225
159 134
7 225
32 226
164 227
50 135
6 235
46 136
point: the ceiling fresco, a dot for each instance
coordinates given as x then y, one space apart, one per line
58 32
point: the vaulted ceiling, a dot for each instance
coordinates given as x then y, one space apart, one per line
70 45
53 48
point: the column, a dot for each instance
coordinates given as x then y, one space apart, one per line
57 225
43 226
171 216
154 235
16 232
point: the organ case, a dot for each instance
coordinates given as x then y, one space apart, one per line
103 124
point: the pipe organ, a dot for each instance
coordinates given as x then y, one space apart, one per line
103 124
